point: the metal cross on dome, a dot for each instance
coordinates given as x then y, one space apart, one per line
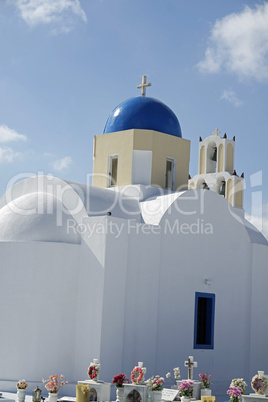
143 85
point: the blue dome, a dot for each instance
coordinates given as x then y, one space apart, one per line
143 113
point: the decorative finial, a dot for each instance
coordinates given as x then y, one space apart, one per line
200 139
143 85
234 138
225 135
234 173
216 132
189 176
242 175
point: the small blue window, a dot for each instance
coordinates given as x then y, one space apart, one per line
204 320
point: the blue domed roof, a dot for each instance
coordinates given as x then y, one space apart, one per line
143 113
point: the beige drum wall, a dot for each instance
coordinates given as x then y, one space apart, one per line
119 143
165 146
122 143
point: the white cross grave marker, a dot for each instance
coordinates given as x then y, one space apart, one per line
190 364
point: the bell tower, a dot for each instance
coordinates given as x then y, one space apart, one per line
216 169
216 154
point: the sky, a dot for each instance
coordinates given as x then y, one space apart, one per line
66 64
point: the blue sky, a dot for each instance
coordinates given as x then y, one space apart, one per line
65 65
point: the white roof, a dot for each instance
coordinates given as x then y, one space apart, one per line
40 208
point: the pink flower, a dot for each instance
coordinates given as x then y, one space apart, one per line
52 384
234 392
186 388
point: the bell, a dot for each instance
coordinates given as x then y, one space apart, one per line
222 190
37 395
214 156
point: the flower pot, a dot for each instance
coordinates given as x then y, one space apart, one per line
205 392
157 395
185 399
52 396
21 393
119 394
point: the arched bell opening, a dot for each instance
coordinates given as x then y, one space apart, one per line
202 184
221 186
212 157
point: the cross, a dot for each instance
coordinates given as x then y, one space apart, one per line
190 364
143 85
216 132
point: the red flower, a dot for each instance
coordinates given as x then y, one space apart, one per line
92 372
120 379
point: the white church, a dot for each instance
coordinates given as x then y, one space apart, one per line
146 264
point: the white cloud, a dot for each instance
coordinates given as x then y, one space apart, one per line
230 96
9 135
239 44
62 164
35 12
7 154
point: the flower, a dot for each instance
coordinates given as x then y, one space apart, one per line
137 375
234 393
120 379
259 384
205 380
52 384
239 382
93 370
156 383
177 374
186 388
21 384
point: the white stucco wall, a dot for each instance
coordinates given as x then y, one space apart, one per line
51 309
224 258
127 294
164 270
259 302
38 309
